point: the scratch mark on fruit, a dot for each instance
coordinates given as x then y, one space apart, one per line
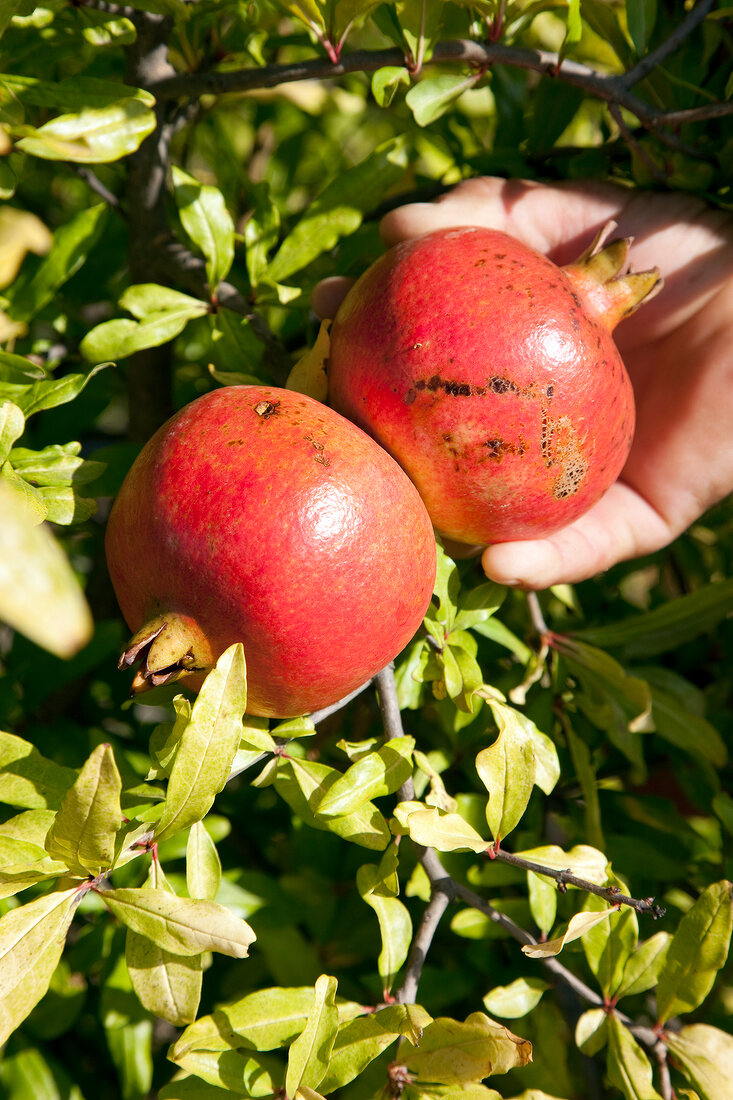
266 409
323 460
314 442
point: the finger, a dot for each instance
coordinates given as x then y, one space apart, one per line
621 525
558 219
328 295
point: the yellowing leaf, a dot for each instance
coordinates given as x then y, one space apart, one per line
32 938
311 1052
309 375
577 927
455 1053
182 926
20 232
705 1055
447 832
39 593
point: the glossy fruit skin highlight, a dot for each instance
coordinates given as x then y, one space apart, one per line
492 377
259 515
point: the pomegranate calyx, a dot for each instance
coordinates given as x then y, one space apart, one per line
168 647
597 276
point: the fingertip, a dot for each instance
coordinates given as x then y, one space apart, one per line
406 222
532 565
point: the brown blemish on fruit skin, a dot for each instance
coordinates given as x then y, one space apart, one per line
497 448
266 409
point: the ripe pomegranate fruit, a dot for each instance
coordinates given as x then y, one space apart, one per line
259 515
492 377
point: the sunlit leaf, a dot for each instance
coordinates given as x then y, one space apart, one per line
516 999
395 926
95 135
83 833
577 927
311 1052
507 768
374 775
203 868
705 1055
181 926
362 1040
698 950
207 221
455 1053
629 1068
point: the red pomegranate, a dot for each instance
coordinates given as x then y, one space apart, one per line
492 377
259 515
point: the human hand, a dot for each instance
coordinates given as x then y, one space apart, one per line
678 350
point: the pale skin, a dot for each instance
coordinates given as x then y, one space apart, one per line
678 349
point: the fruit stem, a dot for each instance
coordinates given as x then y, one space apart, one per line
169 646
597 277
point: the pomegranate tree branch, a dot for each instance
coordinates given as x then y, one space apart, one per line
566 878
612 89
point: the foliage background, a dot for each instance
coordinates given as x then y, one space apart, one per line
279 139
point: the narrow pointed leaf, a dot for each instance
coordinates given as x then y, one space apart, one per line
32 938
208 745
643 966
168 985
311 1052
264 1020
182 926
698 950
377 774
83 834
395 924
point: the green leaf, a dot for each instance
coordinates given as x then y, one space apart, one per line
629 1068
181 926
434 95
516 999
668 626
454 1053
641 16
19 370
122 337
83 833
73 94
591 1031
39 593
387 81
547 764
144 299
693 733
447 832
374 775
507 769
8 8
29 779
207 221
608 947
72 243
51 393
168 985
203 869
362 1040
32 938
339 209
304 783
311 1052
261 230
642 968
207 746
94 135
377 886
242 1073
698 950
705 1056
57 465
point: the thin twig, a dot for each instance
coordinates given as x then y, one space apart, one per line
566 878
92 181
535 613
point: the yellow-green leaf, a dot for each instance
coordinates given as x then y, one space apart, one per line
83 833
182 926
311 1052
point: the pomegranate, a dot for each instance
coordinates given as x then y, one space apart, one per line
492 377
260 515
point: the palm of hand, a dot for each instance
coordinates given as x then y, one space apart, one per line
678 350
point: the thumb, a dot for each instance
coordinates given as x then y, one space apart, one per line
621 525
